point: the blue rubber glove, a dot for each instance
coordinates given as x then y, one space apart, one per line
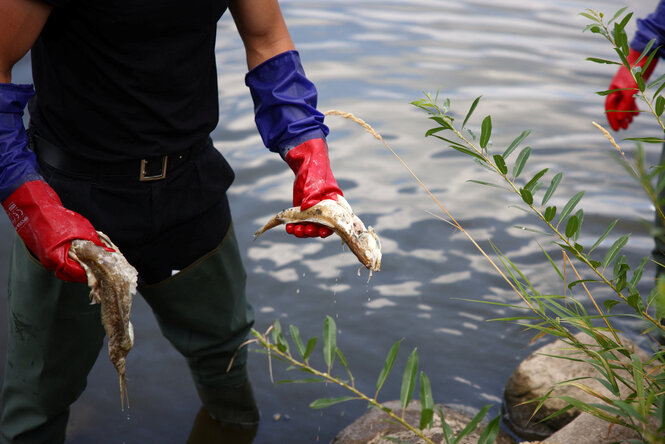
34 209
17 163
289 124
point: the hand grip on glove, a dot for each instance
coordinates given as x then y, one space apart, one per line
48 228
314 182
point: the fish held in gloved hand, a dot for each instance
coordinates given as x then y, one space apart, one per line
337 215
112 282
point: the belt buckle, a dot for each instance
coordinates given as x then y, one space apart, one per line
143 177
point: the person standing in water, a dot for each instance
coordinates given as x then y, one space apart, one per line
125 98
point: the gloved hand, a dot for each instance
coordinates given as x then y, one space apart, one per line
289 123
620 105
33 207
47 228
314 182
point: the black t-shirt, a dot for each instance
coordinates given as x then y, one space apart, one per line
126 79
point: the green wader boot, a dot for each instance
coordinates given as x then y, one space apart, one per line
55 336
203 312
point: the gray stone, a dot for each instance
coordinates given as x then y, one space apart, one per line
372 427
537 375
587 429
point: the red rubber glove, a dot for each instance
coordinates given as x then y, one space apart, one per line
314 182
47 228
620 105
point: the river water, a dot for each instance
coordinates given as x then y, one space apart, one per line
371 58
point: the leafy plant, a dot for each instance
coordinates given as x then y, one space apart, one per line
636 388
634 395
276 345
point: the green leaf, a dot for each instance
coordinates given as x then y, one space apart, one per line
442 121
570 206
297 340
604 61
657 81
604 235
515 143
500 163
448 433
278 337
621 39
473 107
615 249
589 16
522 157
431 131
409 379
387 366
635 301
580 218
532 183
426 402
644 53
488 436
553 185
311 344
660 105
622 56
485 131
617 14
659 298
580 281
468 152
646 139
450 141
329 341
637 275
276 331
342 359
638 376
550 212
527 197
322 403
571 226
473 424
609 303
639 80
487 184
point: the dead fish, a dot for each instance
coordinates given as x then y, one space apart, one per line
112 282
337 215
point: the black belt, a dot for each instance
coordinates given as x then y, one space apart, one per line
147 169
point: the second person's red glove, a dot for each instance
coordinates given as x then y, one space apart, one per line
620 105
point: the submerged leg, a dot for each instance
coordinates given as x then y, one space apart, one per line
203 312
55 336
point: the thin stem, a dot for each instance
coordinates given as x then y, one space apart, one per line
593 300
453 221
265 342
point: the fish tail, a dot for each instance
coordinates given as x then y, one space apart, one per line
272 224
124 395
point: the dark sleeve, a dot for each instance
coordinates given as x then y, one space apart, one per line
650 28
57 3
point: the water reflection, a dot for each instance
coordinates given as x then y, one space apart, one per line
371 58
